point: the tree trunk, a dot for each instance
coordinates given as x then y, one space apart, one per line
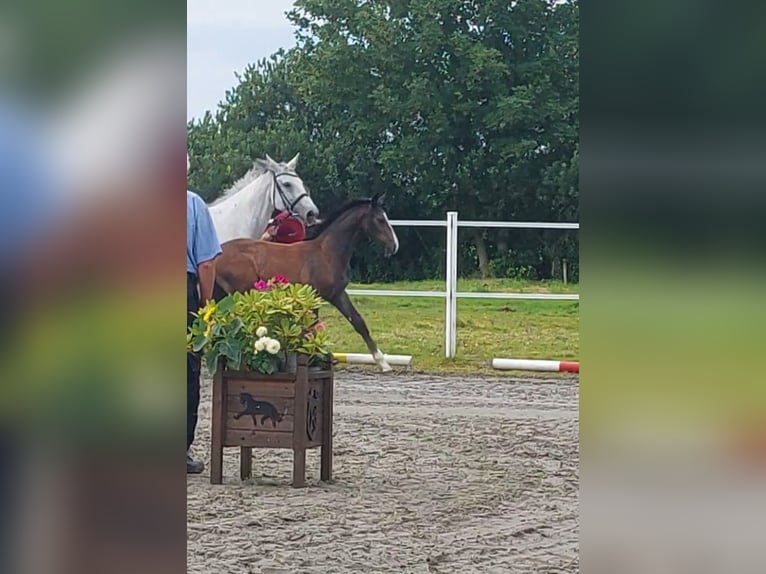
481 250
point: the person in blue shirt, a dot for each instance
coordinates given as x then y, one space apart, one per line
202 248
202 245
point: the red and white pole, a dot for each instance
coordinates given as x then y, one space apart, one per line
536 365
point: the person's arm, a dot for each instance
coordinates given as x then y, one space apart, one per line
206 272
207 249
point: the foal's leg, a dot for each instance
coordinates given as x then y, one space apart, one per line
344 305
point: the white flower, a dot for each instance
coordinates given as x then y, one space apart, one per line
261 331
273 346
260 344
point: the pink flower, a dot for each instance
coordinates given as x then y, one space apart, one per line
261 285
320 326
280 280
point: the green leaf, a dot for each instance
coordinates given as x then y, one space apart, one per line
211 359
199 343
235 359
236 325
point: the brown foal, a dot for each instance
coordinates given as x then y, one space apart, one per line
321 261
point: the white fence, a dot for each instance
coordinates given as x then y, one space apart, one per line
451 294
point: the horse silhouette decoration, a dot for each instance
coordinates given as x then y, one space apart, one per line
322 260
254 408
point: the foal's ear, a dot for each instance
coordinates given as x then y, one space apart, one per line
378 199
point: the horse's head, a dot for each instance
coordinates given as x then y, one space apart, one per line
377 226
290 193
243 398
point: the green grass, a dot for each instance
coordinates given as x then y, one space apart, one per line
476 286
486 328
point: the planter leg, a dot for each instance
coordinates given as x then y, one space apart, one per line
326 468
327 414
299 468
217 424
245 462
216 464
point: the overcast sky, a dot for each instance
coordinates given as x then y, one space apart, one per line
222 37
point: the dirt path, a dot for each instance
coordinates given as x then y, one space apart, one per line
432 474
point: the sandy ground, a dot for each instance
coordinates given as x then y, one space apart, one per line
431 474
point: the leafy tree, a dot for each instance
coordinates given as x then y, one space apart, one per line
461 105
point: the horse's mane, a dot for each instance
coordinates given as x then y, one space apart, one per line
316 230
258 169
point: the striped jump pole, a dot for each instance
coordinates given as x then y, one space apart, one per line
362 359
536 365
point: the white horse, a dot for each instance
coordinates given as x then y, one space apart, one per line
244 210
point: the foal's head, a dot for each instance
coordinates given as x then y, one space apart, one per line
365 215
376 225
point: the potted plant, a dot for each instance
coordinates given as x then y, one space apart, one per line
262 330
274 378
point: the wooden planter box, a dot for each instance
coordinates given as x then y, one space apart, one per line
283 410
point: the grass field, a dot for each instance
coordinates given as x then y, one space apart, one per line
485 328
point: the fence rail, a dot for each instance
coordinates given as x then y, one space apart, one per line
451 294
468 223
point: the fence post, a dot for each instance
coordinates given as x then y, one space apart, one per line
450 326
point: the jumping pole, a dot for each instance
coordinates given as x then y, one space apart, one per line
536 365
362 359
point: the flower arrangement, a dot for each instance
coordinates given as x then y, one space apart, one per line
260 329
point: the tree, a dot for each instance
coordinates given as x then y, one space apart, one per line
445 104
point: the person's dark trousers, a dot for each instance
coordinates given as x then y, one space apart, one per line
193 362
10 457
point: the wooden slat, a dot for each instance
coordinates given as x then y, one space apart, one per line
249 375
261 388
258 439
253 376
246 423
